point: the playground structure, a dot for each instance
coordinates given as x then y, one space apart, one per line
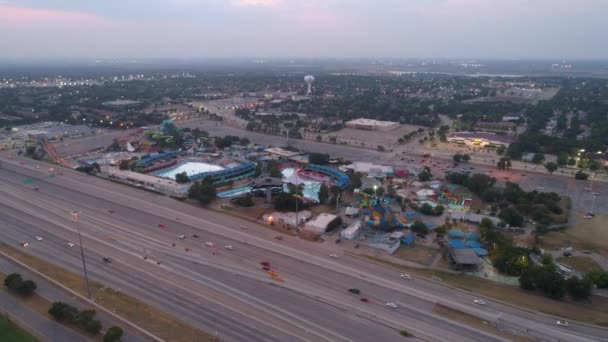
377 213
455 197
125 141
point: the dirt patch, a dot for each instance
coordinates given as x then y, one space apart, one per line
580 263
420 254
585 235
476 322
150 318
592 312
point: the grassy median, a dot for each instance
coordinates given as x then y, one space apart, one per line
146 316
10 331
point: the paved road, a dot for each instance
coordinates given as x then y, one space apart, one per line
312 304
32 321
52 294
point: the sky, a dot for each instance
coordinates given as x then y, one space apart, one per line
510 29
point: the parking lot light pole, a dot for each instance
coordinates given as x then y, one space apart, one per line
84 264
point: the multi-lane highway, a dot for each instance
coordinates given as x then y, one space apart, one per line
225 292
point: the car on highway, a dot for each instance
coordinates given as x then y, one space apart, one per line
111 211
229 247
36 189
333 255
243 227
595 194
210 244
479 302
587 189
392 305
355 291
161 225
71 244
107 260
406 276
278 237
24 244
181 236
38 238
562 323
195 236
364 300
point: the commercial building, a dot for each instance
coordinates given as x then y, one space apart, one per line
288 218
479 139
372 125
352 232
320 223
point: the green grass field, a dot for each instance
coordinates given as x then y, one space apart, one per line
10 331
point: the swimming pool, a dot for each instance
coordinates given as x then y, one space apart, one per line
191 169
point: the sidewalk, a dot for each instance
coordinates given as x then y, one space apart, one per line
53 294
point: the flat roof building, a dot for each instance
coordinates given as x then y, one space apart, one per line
372 125
481 139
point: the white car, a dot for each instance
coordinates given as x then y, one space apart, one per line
392 305
210 244
479 302
562 323
228 247
71 244
406 276
181 237
38 238
595 194
243 227
333 255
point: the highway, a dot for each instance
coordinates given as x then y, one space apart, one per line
227 293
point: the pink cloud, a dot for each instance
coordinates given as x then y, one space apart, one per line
25 15
256 3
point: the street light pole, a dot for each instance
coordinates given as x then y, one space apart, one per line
296 196
84 264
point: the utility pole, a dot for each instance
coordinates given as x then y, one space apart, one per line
84 264
297 200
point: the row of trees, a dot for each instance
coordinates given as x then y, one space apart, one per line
546 278
85 320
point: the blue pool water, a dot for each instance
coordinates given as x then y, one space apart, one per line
234 192
311 188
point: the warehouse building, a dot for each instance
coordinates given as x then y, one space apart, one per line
372 125
479 139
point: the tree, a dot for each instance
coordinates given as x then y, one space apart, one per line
12 281
30 150
538 158
581 175
203 191
579 289
425 175
380 148
123 165
287 202
466 157
245 201
500 150
323 193
419 227
62 312
245 141
598 278
26 287
84 317
504 164
562 159
114 334
526 280
478 183
510 216
355 180
457 157
182 178
550 282
93 327
551 167
318 158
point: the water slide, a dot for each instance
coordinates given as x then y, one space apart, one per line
380 215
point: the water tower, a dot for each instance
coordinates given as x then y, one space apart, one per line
309 79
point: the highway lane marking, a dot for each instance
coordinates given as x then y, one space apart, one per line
262 243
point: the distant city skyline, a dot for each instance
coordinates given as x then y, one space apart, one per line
556 29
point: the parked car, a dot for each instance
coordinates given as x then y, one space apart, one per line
567 254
